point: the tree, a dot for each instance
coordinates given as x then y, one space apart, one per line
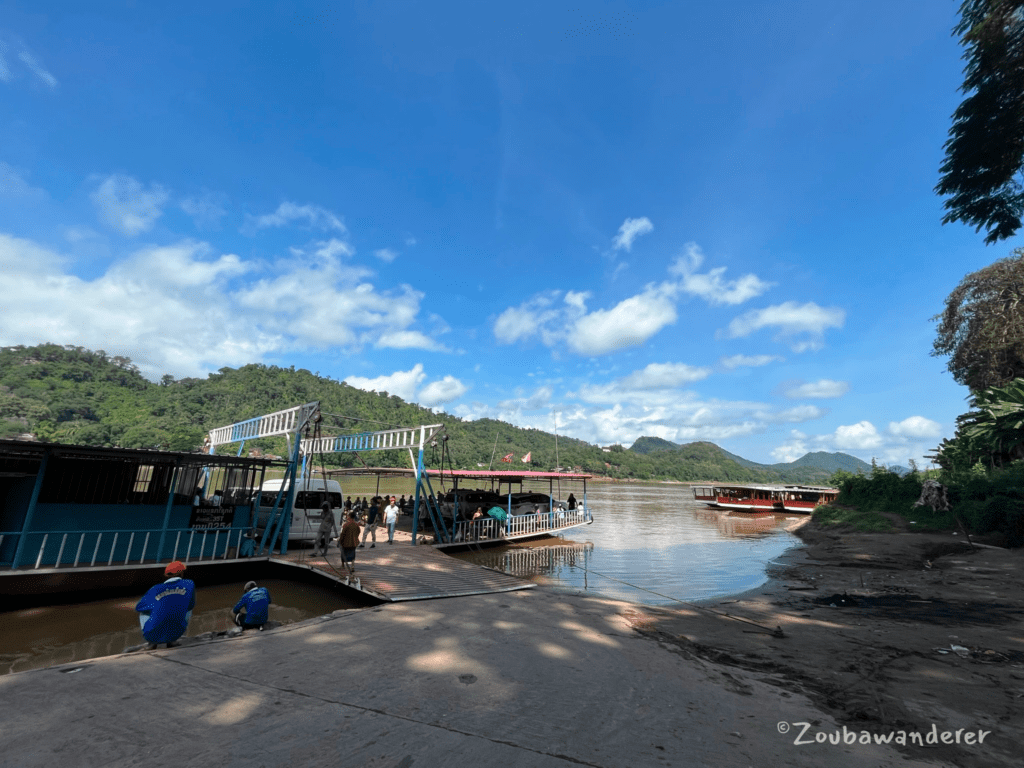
981 173
982 326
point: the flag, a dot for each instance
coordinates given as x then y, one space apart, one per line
526 458
508 459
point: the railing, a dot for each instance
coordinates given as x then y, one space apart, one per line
273 424
78 549
484 529
383 440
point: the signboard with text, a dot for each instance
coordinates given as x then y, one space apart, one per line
212 517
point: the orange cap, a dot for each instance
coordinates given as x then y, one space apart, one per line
174 568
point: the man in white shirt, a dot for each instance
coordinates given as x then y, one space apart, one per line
390 518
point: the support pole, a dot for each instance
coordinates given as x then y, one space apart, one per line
419 485
167 512
30 512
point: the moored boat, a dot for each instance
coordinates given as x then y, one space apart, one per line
764 499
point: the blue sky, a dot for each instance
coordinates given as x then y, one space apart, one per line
700 221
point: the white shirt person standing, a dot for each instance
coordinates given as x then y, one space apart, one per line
390 518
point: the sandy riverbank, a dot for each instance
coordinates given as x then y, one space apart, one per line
870 621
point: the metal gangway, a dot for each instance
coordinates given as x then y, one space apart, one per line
292 422
388 440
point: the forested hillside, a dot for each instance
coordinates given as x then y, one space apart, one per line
74 395
810 468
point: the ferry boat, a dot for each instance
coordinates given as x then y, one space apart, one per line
765 499
513 505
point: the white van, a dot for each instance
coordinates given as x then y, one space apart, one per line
306 514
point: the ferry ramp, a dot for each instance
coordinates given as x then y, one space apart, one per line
399 572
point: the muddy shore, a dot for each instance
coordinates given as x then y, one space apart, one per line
883 632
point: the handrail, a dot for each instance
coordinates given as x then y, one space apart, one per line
105 551
486 529
381 440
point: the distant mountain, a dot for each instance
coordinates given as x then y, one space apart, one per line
829 461
811 467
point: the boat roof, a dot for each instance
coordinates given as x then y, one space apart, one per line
33 450
746 487
472 474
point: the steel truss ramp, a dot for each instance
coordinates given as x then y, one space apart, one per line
383 440
286 422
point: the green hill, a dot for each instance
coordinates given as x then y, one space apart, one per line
810 468
74 395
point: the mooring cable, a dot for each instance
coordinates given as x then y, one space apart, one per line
777 632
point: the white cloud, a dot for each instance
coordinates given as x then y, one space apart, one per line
541 398
37 69
911 438
664 375
916 426
179 308
403 384
711 286
859 436
7 74
126 206
792 449
13 186
754 361
791 319
795 415
824 388
409 340
386 255
207 209
441 391
539 316
629 231
629 323
331 249
314 217
163 307
78 234
406 385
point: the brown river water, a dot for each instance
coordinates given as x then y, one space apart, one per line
58 634
650 543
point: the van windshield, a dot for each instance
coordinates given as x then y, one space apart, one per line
313 499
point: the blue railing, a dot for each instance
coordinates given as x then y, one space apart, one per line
77 549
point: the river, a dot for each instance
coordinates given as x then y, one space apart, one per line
651 543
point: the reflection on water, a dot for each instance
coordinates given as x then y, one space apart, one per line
652 543
552 558
58 634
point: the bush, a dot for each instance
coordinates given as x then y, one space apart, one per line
858 519
881 490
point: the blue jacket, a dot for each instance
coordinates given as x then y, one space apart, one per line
256 603
169 606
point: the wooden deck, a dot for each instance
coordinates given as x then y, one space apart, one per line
400 571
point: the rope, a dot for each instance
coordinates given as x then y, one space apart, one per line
777 632
368 421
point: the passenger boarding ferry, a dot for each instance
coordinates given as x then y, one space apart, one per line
493 506
765 499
